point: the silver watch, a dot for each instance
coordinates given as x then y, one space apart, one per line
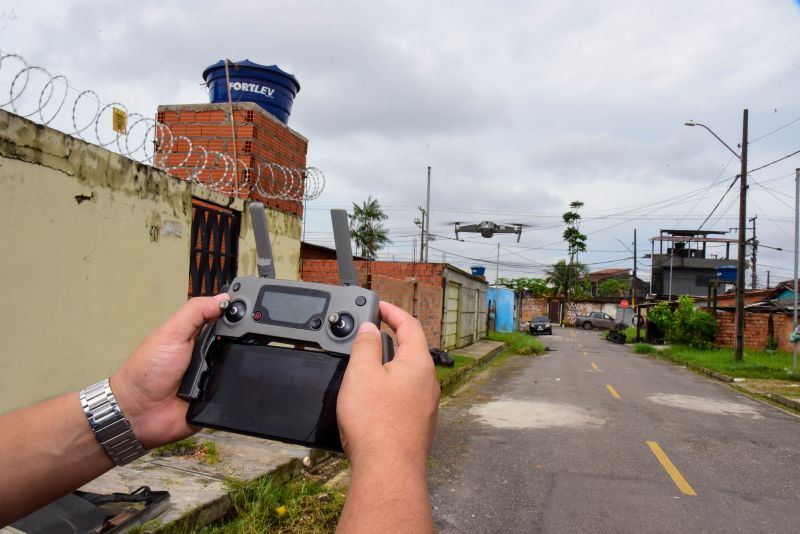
109 425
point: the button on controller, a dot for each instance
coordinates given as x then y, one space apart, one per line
342 324
235 312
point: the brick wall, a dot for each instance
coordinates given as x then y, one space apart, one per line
534 307
755 330
327 271
260 138
428 307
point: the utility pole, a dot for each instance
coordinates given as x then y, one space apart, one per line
754 248
426 223
796 239
738 349
633 282
768 280
414 250
497 267
421 234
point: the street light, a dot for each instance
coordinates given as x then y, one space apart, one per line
738 347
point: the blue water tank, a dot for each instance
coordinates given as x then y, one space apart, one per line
478 270
268 86
726 274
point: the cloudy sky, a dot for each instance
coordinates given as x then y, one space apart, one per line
519 107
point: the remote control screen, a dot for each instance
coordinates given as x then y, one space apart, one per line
273 392
295 306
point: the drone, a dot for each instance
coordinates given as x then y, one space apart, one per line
487 229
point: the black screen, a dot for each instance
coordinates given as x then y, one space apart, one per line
273 392
294 306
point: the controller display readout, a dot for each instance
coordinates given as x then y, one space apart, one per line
292 305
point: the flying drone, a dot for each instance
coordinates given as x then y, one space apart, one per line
487 229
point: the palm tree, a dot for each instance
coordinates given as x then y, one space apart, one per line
366 229
565 278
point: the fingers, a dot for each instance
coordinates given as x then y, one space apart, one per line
366 347
185 323
410 335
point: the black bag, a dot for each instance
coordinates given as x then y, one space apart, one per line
441 358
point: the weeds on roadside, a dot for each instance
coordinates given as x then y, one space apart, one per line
644 348
517 342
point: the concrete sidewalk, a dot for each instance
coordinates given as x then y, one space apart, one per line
196 486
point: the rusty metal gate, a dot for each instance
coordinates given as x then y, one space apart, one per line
215 248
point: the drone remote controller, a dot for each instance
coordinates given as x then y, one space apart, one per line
272 365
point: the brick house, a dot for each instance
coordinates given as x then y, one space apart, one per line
450 303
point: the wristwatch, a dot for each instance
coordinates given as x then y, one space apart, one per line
111 429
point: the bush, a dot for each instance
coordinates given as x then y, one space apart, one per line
684 324
518 342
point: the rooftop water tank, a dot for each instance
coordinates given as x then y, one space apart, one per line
727 273
478 270
268 86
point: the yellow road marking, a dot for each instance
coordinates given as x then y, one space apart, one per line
671 470
612 391
585 353
594 366
581 346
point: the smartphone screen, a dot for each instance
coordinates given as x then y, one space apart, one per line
272 392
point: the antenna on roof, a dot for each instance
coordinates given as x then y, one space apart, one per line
344 252
264 263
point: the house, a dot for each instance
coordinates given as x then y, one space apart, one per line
597 278
686 267
449 303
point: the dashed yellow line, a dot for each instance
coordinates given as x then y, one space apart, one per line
671 470
612 391
594 366
580 345
585 353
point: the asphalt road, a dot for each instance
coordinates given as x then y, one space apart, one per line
594 438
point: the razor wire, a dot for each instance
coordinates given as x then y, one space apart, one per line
36 94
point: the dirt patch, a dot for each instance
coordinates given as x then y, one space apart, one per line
705 405
527 414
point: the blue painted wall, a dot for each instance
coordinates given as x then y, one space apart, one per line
504 299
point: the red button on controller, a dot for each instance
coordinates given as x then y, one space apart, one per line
257 316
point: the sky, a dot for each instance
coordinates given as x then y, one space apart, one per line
518 107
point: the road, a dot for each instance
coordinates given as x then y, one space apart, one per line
591 437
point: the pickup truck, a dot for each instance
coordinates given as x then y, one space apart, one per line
595 320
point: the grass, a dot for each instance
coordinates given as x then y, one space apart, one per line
517 342
460 361
269 504
755 364
644 348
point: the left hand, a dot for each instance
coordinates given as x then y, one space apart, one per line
146 386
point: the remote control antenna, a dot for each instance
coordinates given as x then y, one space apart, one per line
264 264
344 253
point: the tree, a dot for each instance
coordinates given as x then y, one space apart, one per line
366 229
684 324
568 280
612 287
537 287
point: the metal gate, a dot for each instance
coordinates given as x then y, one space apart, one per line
451 315
215 248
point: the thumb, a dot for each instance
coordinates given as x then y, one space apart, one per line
366 347
193 315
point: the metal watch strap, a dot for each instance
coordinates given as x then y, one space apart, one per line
109 425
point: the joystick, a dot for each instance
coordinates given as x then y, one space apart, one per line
272 365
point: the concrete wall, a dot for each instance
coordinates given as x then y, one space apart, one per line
87 277
505 306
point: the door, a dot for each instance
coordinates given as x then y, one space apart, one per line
451 315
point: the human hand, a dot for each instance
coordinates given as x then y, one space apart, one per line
389 411
146 386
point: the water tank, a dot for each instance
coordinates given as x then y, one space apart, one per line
478 270
268 86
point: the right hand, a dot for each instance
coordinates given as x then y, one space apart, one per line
388 412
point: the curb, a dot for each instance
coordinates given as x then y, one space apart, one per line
211 511
786 402
452 381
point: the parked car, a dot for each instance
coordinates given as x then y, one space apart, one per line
540 325
595 320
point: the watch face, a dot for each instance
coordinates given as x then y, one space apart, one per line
273 392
